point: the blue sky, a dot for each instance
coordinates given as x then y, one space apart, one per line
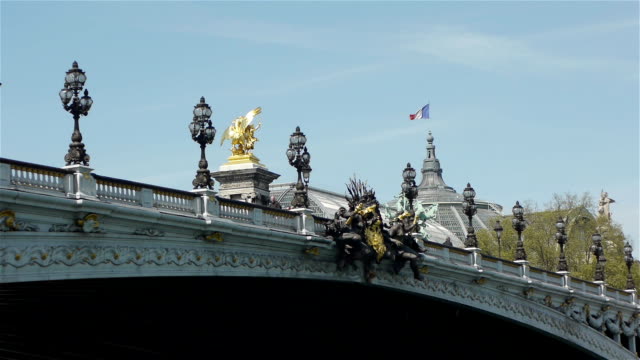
527 98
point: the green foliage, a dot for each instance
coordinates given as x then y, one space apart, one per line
543 250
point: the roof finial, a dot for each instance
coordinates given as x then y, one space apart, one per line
430 138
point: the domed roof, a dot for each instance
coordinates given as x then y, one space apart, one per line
433 190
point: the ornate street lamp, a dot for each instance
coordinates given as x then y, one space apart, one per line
300 158
598 251
73 84
202 132
409 188
519 225
469 209
498 229
628 259
561 237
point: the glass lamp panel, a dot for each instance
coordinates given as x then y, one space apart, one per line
86 102
70 78
306 157
405 174
290 154
81 78
65 96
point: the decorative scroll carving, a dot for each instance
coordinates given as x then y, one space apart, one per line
216 236
8 222
149 232
526 311
88 224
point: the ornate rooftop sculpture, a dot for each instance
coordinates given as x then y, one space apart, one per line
241 133
603 205
243 177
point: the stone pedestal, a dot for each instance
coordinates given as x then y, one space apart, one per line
524 268
243 178
305 221
476 257
207 205
566 280
80 184
603 287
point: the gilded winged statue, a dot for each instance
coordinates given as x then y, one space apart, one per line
241 133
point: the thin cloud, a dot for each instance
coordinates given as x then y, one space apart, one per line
388 135
501 53
451 44
590 29
316 79
263 32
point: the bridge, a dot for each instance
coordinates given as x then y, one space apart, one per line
72 226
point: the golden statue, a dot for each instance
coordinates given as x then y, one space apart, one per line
241 133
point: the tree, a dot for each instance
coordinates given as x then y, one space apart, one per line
542 248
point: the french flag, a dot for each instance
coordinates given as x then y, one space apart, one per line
421 114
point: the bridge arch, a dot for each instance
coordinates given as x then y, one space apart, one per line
179 317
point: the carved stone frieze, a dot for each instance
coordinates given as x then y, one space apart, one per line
515 306
210 237
88 224
8 222
149 232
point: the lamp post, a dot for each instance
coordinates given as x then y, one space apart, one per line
498 229
202 132
409 188
73 84
519 225
300 158
628 259
469 209
598 251
561 237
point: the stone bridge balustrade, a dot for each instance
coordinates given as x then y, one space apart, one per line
129 229
78 182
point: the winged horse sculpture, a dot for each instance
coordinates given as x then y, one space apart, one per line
241 133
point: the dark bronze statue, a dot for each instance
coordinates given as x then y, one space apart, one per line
360 234
405 246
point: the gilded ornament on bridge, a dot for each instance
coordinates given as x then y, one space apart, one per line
241 133
88 224
8 222
216 236
313 251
